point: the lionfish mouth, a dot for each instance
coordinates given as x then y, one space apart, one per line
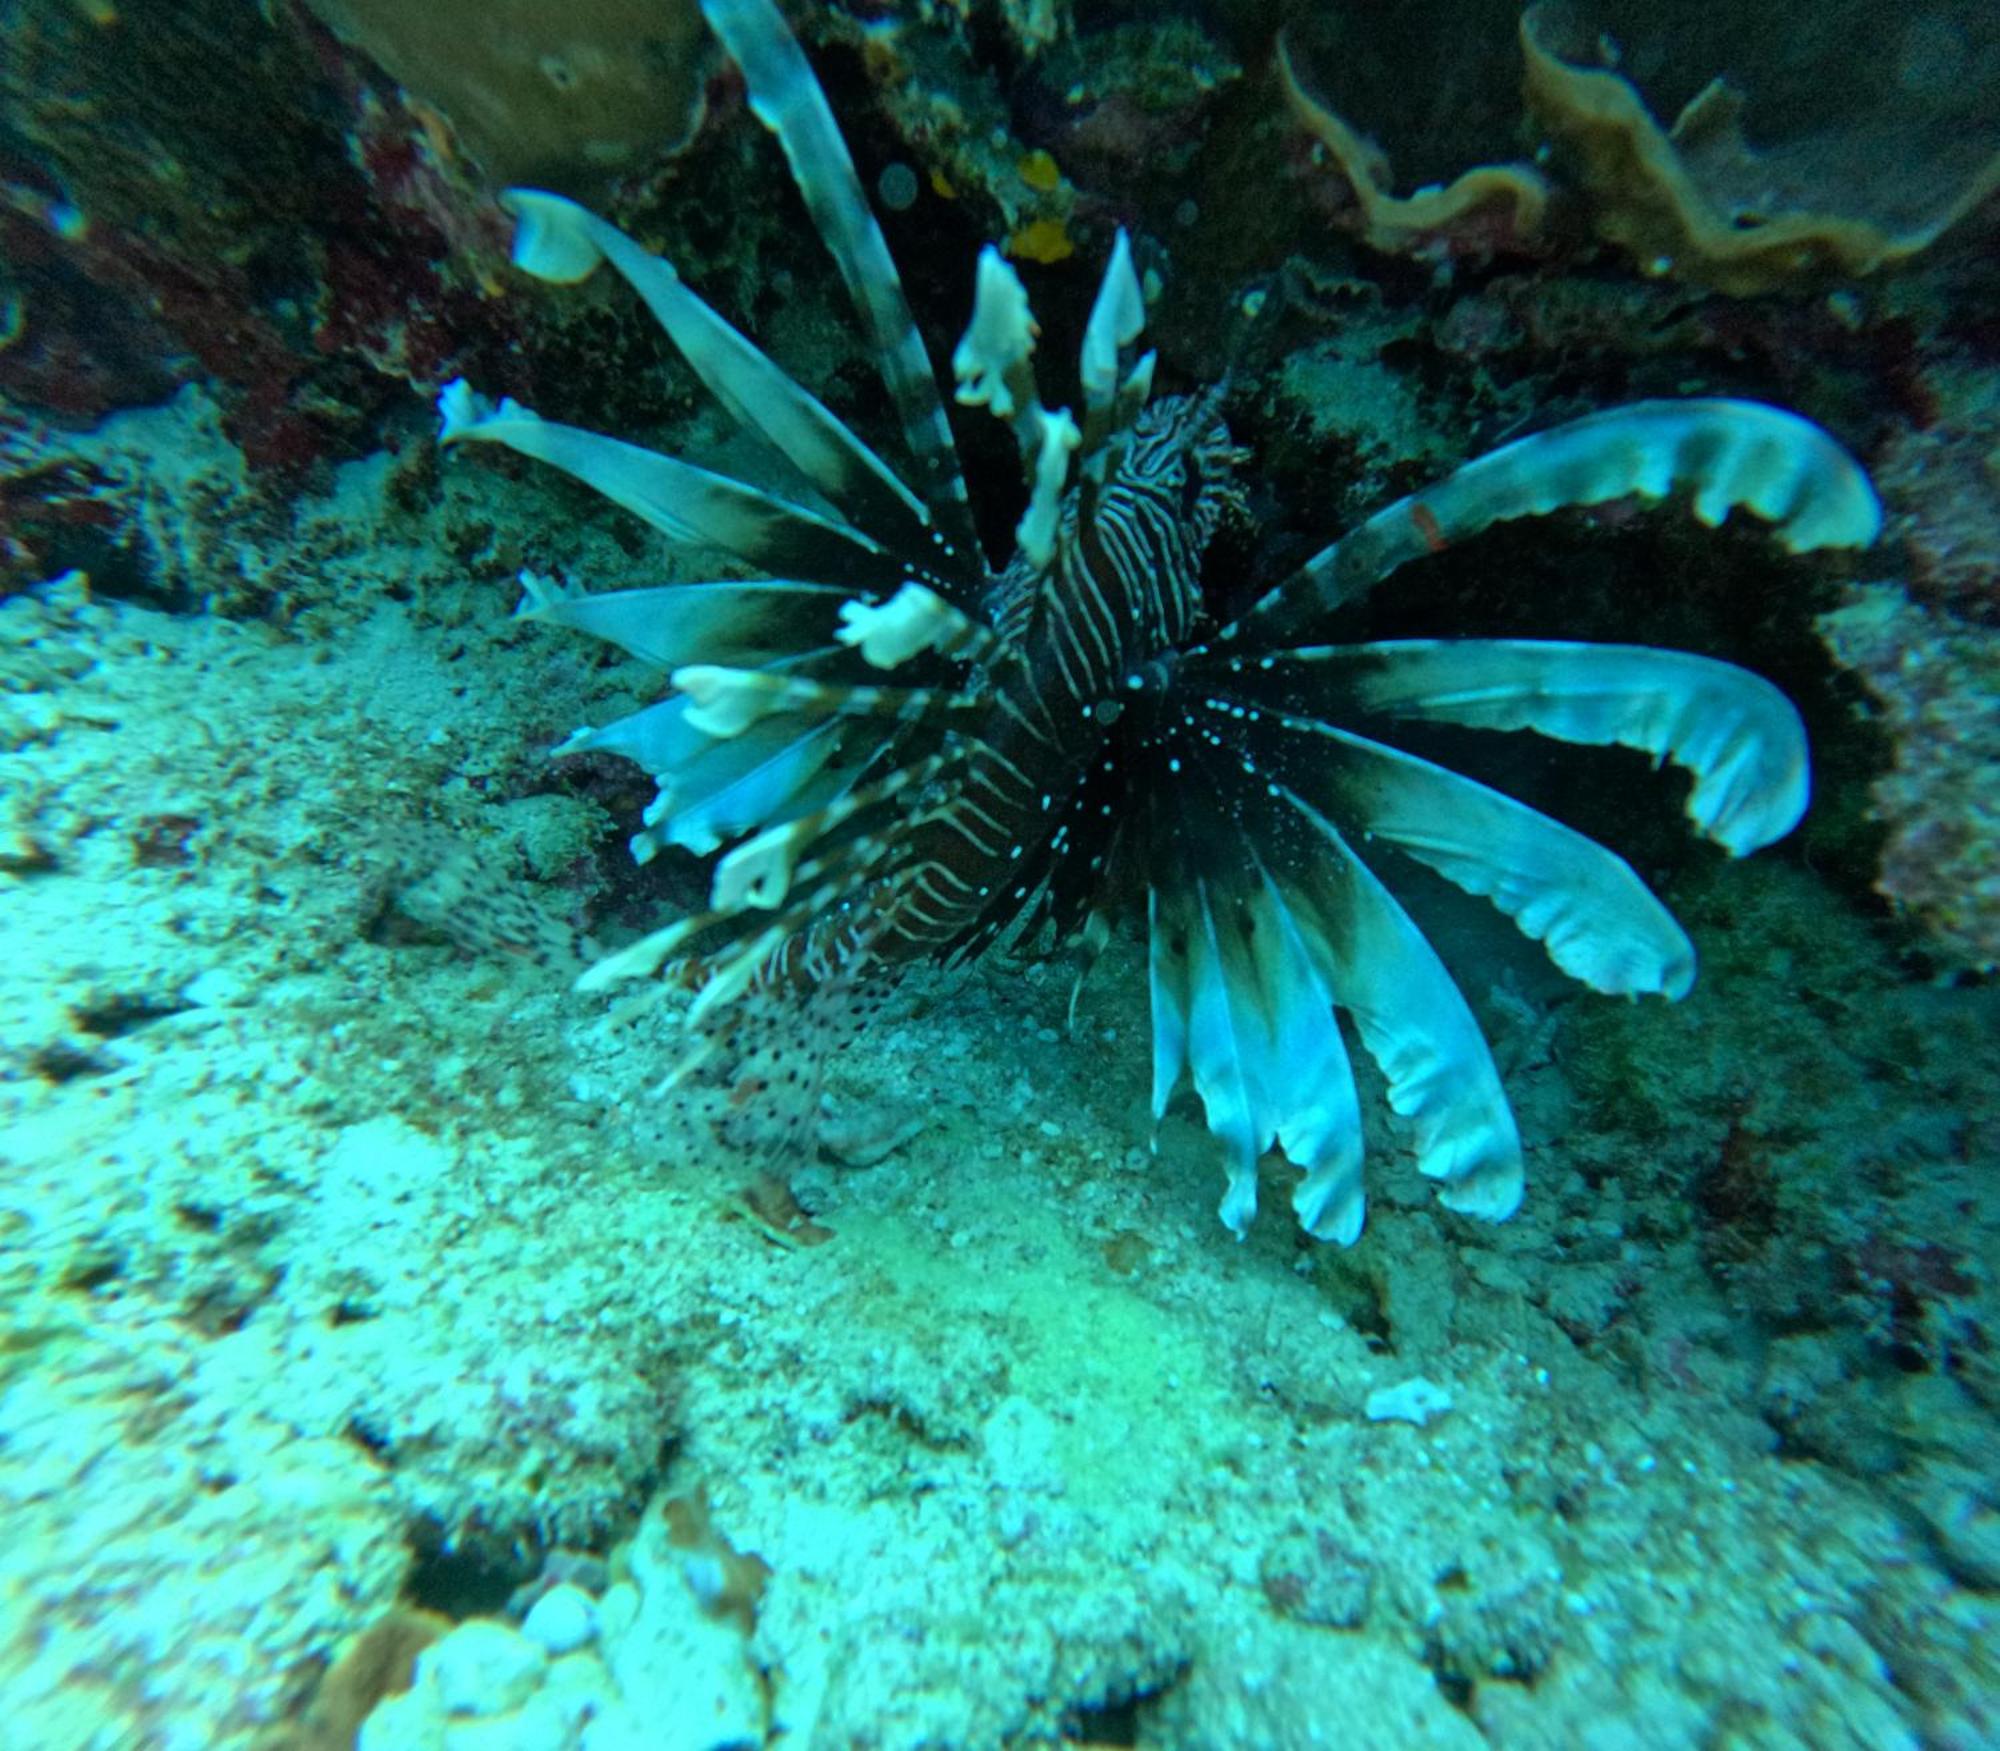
900 750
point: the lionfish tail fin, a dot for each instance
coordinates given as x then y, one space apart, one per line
753 1063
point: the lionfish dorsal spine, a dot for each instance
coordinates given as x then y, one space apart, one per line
788 100
558 241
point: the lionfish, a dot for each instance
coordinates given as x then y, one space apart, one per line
909 753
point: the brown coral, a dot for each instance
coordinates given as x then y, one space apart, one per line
1695 201
1489 208
1698 203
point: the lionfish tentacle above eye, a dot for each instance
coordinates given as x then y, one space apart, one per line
1057 744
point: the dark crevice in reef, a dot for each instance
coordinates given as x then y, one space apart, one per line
473 1577
1118 1719
487 1571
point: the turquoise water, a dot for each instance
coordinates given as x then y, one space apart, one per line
561 1181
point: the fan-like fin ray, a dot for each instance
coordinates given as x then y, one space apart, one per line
559 241
1727 453
787 99
1222 1030
1735 734
743 625
1584 904
761 871
744 783
682 501
1307 1078
1243 1001
1414 1022
714 788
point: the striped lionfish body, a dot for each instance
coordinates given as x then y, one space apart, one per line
901 752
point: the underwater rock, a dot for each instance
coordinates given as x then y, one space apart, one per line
563 98
1941 488
1415 1400
1936 679
659 1663
244 209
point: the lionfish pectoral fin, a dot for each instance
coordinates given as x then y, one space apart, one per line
1584 904
1739 738
741 623
687 504
1243 1000
1725 453
644 958
1091 942
1416 1026
558 241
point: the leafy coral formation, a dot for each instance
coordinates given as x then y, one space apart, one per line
1697 202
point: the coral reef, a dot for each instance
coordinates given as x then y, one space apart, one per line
1489 210
1942 485
1936 681
1697 201
658 1659
359 1297
289 235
